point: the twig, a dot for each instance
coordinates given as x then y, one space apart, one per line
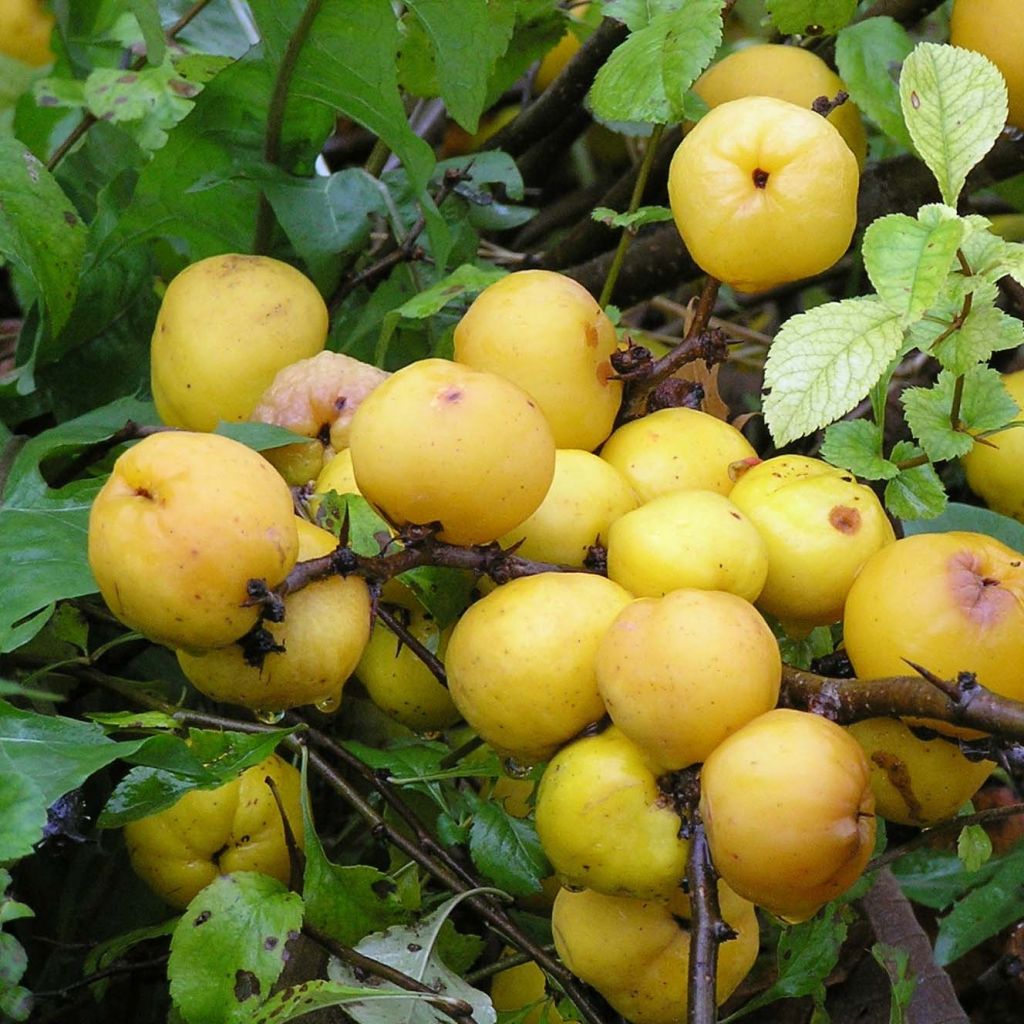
458 1009
89 119
707 929
851 700
427 656
275 117
107 972
947 829
634 204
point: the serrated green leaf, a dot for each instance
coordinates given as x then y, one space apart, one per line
813 17
869 55
647 76
985 405
445 593
908 261
1012 261
636 219
40 231
824 361
806 954
954 106
984 331
636 14
413 951
230 946
507 850
799 652
856 445
973 847
973 519
917 493
985 911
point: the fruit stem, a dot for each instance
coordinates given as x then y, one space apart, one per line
634 203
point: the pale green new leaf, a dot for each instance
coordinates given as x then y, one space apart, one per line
954 105
867 54
824 361
973 847
647 77
917 493
902 982
815 17
908 261
856 445
1013 260
636 219
984 331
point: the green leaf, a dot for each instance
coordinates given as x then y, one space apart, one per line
345 902
368 533
896 962
16 1002
973 519
148 14
43 531
466 39
647 76
41 234
917 493
984 331
973 847
856 445
168 767
954 106
937 878
445 593
230 946
810 17
908 261
106 953
985 405
636 219
985 911
42 757
824 361
413 951
807 953
507 849
324 217
801 651
258 436
866 54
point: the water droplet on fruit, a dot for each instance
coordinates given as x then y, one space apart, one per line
329 705
268 717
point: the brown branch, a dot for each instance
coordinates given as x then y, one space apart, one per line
556 103
892 918
129 967
851 700
707 929
427 656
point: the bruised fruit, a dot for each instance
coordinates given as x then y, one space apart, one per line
949 602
